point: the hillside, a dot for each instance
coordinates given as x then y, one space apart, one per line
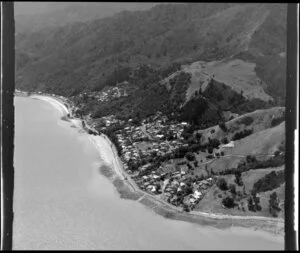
32 17
258 120
62 59
261 144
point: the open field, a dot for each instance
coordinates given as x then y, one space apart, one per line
258 120
212 202
237 74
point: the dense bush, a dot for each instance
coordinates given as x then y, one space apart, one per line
242 134
277 121
238 178
222 184
213 143
246 120
232 189
228 202
274 204
223 126
224 140
269 182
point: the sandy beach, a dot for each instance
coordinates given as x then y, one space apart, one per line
270 227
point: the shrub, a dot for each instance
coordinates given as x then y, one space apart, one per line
238 178
209 157
213 143
210 150
269 182
251 206
274 204
246 120
190 156
222 184
224 140
278 120
242 134
228 202
232 189
223 126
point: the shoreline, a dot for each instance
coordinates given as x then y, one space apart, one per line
113 169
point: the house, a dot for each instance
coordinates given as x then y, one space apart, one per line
197 194
160 136
228 145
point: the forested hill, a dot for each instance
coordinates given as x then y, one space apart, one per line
34 16
87 55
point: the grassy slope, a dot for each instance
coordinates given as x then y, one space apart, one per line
260 143
261 120
212 202
237 74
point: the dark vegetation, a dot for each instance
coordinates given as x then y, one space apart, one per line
278 120
84 56
274 205
253 164
228 202
222 184
242 134
269 182
228 99
248 120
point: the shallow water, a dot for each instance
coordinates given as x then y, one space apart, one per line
61 201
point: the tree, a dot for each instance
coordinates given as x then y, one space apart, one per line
274 205
238 178
224 140
251 206
223 126
222 184
244 191
186 208
210 150
190 156
198 136
232 189
228 202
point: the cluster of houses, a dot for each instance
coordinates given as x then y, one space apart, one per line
200 188
106 96
152 131
158 128
176 186
151 183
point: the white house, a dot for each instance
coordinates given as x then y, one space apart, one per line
228 145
